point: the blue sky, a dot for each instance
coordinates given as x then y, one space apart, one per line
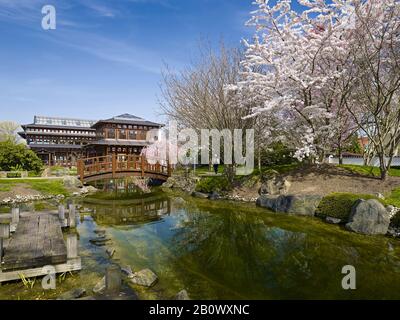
105 56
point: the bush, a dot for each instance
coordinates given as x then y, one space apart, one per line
14 175
338 205
17 155
211 184
277 154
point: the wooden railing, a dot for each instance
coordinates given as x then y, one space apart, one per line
117 166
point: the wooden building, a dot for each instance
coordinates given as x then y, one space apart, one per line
58 141
121 135
61 141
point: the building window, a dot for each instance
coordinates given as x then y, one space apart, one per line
111 133
132 135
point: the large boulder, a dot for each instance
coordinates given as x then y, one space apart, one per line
275 186
369 217
302 205
72 182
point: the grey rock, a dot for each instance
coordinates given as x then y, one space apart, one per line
369 217
389 208
380 196
332 220
303 205
187 184
72 182
100 231
275 186
182 295
110 252
101 241
100 286
145 277
199 195
214 196
127 270
72 294
87 298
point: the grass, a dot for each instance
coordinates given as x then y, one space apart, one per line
45 186
369 170
338 205
210 184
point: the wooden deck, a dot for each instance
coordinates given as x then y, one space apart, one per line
113 166
38 241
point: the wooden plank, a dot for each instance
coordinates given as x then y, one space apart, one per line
70 265
38 241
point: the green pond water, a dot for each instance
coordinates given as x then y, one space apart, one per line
223 250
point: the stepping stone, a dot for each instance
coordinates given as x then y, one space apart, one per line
145 278
100 241
127 271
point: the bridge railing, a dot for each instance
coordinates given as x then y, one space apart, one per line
122 163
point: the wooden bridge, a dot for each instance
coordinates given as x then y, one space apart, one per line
120 166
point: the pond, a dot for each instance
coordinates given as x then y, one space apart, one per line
224 250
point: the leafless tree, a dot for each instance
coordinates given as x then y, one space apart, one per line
375 102
197 97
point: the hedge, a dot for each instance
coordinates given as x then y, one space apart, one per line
338 205
211 184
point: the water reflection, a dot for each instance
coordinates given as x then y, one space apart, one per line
137 211
231 251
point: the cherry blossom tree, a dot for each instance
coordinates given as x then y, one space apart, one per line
296 64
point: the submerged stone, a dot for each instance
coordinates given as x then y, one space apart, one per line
110 252
101 241
100 286
182 295
145 277
72 294
127 271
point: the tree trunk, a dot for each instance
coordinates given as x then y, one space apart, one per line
382 167
340 154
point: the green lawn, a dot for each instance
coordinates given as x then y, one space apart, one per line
370 171
45 186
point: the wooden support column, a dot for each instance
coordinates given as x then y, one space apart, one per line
142 165
15 215
72 246
72 216
81 169
114 164
4 234
113 279
61 214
